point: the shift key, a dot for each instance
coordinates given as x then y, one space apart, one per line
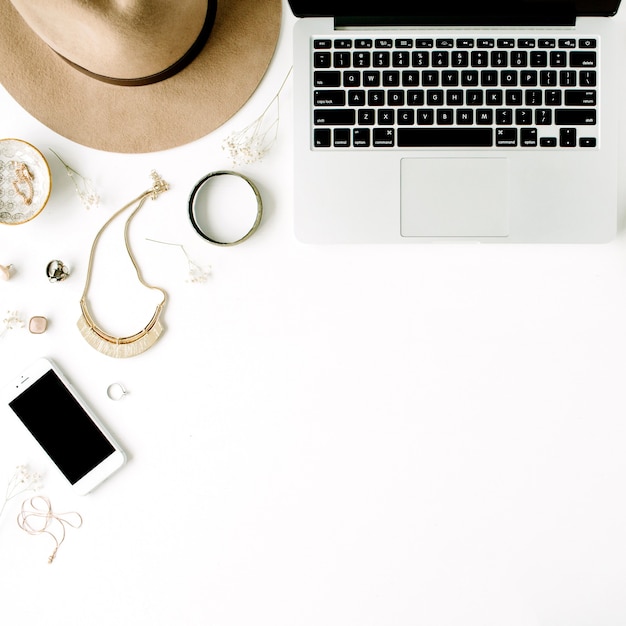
574 117
334 117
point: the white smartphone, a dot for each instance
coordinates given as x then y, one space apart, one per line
64 425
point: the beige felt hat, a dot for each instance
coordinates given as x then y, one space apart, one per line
135 75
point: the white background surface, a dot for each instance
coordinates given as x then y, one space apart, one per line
370 435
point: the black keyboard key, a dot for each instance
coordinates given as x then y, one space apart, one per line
553 97
366 117
506 137
543 117
356 97
567 137
499 58
334 117
588 78
381 58
469 78
445 116
321 137
548 142
504 117
484 116
362 59
528 138
352 79
400 58
384 137
406 117
538 58
519 58
445 137
479 58
327 79
580 97
391 78
547 78
420 58
558 58
371 79
341 138
425 117
587 142
464 117
341 59
329 98
574 117
410 78
415 97
441 58
376 97
386 117
322 59
582 58
361 137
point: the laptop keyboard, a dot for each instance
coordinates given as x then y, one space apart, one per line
469 92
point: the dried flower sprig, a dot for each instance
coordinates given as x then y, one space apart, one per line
253 142
12 320
21 481
196 273
84 187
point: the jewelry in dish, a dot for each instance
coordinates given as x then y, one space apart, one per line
25 181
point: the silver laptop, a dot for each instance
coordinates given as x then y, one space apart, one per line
422 121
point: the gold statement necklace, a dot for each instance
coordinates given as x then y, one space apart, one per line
139 342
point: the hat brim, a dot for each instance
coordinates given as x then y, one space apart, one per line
150 118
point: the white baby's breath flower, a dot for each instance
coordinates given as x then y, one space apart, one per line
12 320
84 187
21 481
195 272
253 142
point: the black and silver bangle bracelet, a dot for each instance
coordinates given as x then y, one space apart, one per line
192 208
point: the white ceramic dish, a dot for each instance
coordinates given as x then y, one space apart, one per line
25 181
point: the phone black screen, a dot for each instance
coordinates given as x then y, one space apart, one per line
60 425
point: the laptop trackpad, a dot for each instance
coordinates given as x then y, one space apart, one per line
454 197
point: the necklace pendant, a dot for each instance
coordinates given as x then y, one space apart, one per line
158 185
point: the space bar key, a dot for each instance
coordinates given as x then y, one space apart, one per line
445 137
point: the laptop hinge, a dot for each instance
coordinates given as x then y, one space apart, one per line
549 14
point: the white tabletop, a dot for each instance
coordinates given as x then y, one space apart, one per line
367 435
